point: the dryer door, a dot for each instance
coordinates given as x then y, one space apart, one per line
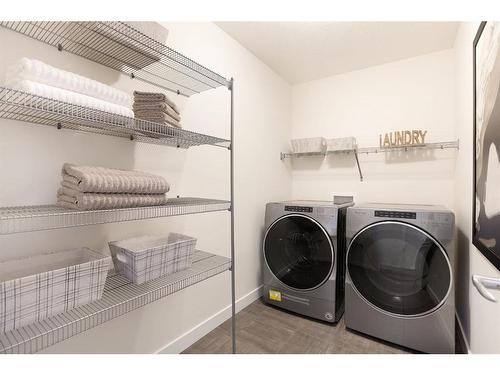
299 252
399 269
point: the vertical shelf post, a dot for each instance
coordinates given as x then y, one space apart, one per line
233 275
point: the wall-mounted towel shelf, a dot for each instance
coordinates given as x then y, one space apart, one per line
121 47
120 297
374 150
21 106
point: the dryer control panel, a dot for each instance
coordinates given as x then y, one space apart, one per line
396 214
298 209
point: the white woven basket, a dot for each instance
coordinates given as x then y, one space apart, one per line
308 145
341 144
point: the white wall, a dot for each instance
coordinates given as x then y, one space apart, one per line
416 93
31 157
479 318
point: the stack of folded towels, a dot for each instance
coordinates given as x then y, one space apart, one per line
97 188
156 107
37 78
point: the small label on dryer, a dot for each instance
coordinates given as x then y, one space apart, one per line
274 295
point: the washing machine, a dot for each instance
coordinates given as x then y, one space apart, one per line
399 275
304 257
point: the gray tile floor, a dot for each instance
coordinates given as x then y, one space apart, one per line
265 329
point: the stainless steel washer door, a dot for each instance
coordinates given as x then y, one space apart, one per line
299 252
399 269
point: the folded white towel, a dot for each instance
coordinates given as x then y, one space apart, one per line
71 97
37 71
106 180
73 199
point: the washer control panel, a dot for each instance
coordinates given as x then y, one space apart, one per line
298 209
396 214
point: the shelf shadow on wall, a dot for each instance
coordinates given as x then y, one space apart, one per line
315 162
347 160
307 162
410 156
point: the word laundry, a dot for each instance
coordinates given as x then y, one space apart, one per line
403 138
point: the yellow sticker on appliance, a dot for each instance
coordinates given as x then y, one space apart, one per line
275 295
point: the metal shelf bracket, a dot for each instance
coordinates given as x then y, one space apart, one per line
359 167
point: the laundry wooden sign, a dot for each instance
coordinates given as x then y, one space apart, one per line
403 138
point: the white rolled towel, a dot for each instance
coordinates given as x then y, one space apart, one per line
37 71
71 97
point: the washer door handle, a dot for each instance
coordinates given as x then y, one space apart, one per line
483 283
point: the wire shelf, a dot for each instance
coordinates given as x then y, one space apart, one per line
374 150
120 46
120 297
426 146
22 106
36 218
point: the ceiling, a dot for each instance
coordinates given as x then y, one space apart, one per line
305 51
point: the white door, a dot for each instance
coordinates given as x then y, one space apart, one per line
484 313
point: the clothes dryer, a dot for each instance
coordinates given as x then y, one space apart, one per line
399 280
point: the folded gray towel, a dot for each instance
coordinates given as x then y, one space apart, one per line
75 199
160 107
158 97
158 117
106 180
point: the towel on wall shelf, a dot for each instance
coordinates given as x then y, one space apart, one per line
71 97
141 97
158 117
341 144
37 71
308 145
73 199
107 180
159 107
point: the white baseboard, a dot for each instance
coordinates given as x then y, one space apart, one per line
462 332
190 337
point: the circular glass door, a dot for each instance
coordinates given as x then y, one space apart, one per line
399 268
299 252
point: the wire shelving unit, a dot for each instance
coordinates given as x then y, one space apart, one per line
121 47
373 150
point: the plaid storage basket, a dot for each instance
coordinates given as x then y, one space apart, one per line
37 287
145 258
